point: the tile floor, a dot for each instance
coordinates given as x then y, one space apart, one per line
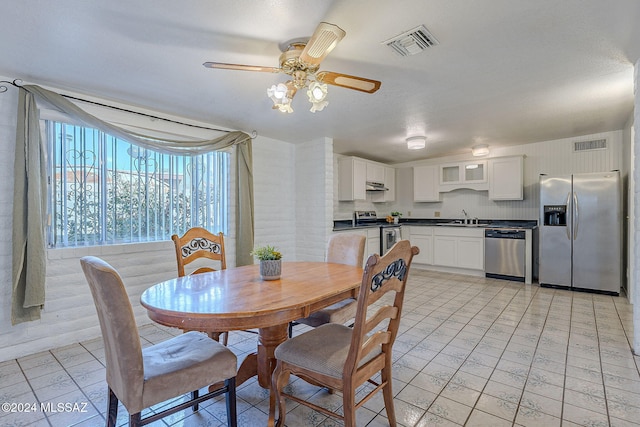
471 351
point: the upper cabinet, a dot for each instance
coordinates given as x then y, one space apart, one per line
506 178
462 174
502 176
468 174
352 179
375 172
425 183
353 174
389 181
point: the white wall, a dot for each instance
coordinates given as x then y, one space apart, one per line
274 195
550 157
314 180
69 315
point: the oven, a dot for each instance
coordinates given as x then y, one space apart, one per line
389 236
389 233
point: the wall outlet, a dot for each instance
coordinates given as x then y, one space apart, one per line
436 214
408 213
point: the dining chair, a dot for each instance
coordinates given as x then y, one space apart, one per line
343 248
141 378
196 244
342 358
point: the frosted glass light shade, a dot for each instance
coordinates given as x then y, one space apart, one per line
416 142
480 150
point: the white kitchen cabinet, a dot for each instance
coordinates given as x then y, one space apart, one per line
390 183
469 174
459 247
373 242
422 237
352 179
425 184
470 252
444 251
375 172
506 178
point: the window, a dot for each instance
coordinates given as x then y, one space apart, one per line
104 190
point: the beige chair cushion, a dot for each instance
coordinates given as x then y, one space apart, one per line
340 312
323 350
182 364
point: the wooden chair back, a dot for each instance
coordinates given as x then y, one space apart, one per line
371 341
198 243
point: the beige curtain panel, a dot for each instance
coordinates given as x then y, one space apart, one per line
29 242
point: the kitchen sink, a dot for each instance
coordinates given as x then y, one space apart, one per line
459 224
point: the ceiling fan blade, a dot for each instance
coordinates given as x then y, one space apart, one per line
324 39
349 82
224 66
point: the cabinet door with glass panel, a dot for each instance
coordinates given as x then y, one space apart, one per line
470 172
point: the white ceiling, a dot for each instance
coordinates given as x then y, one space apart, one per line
505 71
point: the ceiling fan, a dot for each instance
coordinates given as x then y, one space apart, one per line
301 60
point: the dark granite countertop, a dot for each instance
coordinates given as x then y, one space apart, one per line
342 225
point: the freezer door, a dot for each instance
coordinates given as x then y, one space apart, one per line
597 231
555 240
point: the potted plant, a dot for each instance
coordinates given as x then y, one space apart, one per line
396 216
270 261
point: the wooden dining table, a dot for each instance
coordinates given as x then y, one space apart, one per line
238 299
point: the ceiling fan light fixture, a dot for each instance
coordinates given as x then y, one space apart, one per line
317 92
480 150
281 95
416 142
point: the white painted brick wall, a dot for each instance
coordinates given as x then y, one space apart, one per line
274 195
69 315
314 194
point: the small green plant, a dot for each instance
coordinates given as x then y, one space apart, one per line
266 252
396 213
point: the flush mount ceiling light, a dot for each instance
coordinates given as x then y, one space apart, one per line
480 150
416 142
301 60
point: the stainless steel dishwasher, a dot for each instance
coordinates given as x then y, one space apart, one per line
504 254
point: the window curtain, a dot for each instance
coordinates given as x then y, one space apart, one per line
29 243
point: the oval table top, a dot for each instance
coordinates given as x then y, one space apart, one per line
237 298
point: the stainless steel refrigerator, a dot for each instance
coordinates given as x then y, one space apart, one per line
581 232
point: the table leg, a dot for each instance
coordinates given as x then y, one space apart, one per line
269 338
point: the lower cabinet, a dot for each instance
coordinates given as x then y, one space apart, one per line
451 247
373 242
422 237
459 247
470 253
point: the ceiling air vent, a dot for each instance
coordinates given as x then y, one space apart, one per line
596 144
412 41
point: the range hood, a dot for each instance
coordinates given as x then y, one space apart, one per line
375 186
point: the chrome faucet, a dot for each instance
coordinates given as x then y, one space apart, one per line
466 216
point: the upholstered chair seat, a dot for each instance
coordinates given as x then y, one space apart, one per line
341 358
141 378
343 248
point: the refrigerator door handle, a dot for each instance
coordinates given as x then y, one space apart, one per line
576 212
569 223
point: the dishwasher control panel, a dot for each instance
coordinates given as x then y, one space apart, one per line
501 233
